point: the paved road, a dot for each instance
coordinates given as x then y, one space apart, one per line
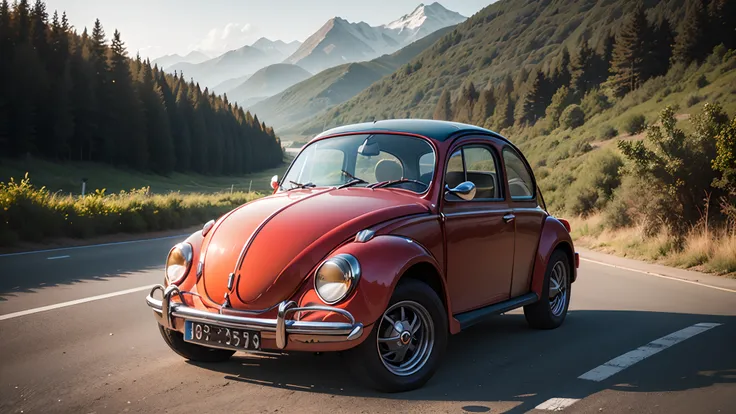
677 341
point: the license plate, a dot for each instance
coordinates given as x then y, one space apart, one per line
221 337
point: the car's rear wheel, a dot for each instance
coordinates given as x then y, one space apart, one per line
405 346
550 311
190 351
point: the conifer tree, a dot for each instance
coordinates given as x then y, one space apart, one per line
503 116
465 103
443 110
630 53
484 108
531 104
126 137
691 43
661 49
722 16
582 69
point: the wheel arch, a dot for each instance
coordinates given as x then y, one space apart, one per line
554 236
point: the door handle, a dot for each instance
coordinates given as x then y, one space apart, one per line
509 218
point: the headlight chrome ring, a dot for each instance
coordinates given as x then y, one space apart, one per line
336 278
178 263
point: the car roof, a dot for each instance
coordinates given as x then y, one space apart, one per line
437 130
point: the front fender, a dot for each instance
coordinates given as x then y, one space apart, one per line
383 260
554 235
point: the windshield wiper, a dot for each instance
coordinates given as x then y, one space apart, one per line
299 185
353 180
392 182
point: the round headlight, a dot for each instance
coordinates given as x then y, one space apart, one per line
178 263
336 278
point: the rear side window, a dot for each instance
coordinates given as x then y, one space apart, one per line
521 185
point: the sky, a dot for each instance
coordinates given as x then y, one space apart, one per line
160 27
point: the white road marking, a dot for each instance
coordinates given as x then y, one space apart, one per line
628 359
557 404
89 246
677 279
73 302
58 257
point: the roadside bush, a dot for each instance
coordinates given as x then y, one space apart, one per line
608 132
596 181
635 124
572 117
29 213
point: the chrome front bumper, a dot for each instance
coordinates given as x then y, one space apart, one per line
282 327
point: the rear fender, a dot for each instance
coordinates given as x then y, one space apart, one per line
383 261
554 235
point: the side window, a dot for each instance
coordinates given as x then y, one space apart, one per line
455 173
481 169
382 167
521 185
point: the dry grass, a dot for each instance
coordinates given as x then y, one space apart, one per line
703 249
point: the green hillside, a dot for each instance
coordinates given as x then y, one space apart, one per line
334 86
506 39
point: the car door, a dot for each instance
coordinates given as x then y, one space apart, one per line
479 242
528 216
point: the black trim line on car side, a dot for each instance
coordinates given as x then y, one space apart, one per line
470 318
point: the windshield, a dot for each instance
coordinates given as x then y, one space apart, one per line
376 160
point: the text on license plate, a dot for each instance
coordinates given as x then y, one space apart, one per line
214 335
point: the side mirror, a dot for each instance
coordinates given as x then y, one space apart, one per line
275 182
464 190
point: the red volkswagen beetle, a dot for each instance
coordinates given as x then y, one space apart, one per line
381 240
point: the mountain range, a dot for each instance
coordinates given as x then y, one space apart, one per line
193 57
333 86
236 63
339 41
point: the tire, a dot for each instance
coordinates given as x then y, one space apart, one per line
420 303
549 313
190 351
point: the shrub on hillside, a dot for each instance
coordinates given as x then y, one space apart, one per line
560 100
594 102
701 81
635 124
29 213
572 117
692 100
608 132
596 181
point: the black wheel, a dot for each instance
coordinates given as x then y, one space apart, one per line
405 346
550 311
190 351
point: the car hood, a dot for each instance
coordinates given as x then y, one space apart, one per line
272 244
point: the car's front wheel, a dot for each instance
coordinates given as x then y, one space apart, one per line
550 311
405 346
193 352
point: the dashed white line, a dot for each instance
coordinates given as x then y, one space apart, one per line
58 257
73 302
628 359
677 279
557 404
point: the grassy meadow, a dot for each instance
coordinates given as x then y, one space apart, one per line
47 203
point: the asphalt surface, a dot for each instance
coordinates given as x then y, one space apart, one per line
676 342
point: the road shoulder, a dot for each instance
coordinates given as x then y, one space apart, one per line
657 269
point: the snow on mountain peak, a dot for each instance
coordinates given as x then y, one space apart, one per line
435 13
